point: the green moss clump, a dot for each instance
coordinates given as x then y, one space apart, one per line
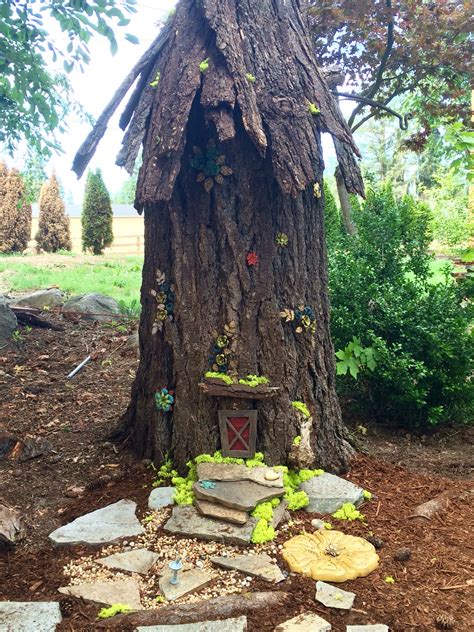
219 376
204 65
313 108
257 460
264 511
297 500
116 608
297 440
301 408
348 511
367 495
254 380
263 532
251 77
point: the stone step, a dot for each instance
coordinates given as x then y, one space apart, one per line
219 512
242 495
234 472
187 521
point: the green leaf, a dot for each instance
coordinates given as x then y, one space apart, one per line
133 39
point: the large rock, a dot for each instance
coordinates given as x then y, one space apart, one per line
125 591
189 581
161 497
92 306
227 625
135 561
211 510
242 495
236 472
333 597
8 322
40 299
10 526
260 565
187 521
327 493
306 622
102 526
29 616
279 513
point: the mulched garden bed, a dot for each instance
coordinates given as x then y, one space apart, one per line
75 416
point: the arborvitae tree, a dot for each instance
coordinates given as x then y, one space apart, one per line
53 231
15 212
96 215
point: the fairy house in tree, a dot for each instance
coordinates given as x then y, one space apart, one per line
229 106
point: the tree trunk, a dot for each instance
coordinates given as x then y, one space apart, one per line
345 202
200 241
240 74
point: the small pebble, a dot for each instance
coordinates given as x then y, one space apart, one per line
317 524
402 555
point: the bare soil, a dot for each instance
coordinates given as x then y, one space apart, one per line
68 422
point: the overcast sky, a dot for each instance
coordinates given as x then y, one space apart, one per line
95 87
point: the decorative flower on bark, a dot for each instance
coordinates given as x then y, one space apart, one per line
164 297
221 355
317 190
164 400
330 556
252 258
303 318
282 240
210 166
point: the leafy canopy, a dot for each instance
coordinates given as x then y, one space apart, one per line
33 100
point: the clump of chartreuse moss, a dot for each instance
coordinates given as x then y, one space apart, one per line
301 408
219 376
348 511
116 608
254 380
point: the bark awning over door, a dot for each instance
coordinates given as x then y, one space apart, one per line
241 40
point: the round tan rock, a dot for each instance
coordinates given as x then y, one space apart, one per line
271 475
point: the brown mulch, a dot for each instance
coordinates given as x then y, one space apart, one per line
72 418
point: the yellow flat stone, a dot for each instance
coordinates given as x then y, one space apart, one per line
330 556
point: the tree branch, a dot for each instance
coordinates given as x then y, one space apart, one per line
402 118
372 91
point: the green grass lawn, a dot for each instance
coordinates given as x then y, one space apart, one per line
119 277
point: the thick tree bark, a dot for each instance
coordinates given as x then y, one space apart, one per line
200 241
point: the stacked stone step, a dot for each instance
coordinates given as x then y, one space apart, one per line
235 490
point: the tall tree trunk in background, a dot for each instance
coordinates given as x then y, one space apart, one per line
230 106
345 202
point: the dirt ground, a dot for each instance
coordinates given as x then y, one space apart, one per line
66 424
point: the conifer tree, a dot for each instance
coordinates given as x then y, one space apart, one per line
96 215
53 230
15 212
332 218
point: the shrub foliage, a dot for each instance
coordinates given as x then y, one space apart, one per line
96 215
15 212
53 230
381 292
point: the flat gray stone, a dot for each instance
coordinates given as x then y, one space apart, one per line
333 597
93 306
8 323
187 521
327 493
307 622
102 526
124 591
226 625
136 561
243 495
378 627
29 616
161 497
211 510
257 565
279 513
40 299
189 581
235 472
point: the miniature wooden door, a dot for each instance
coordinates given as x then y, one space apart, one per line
238 430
